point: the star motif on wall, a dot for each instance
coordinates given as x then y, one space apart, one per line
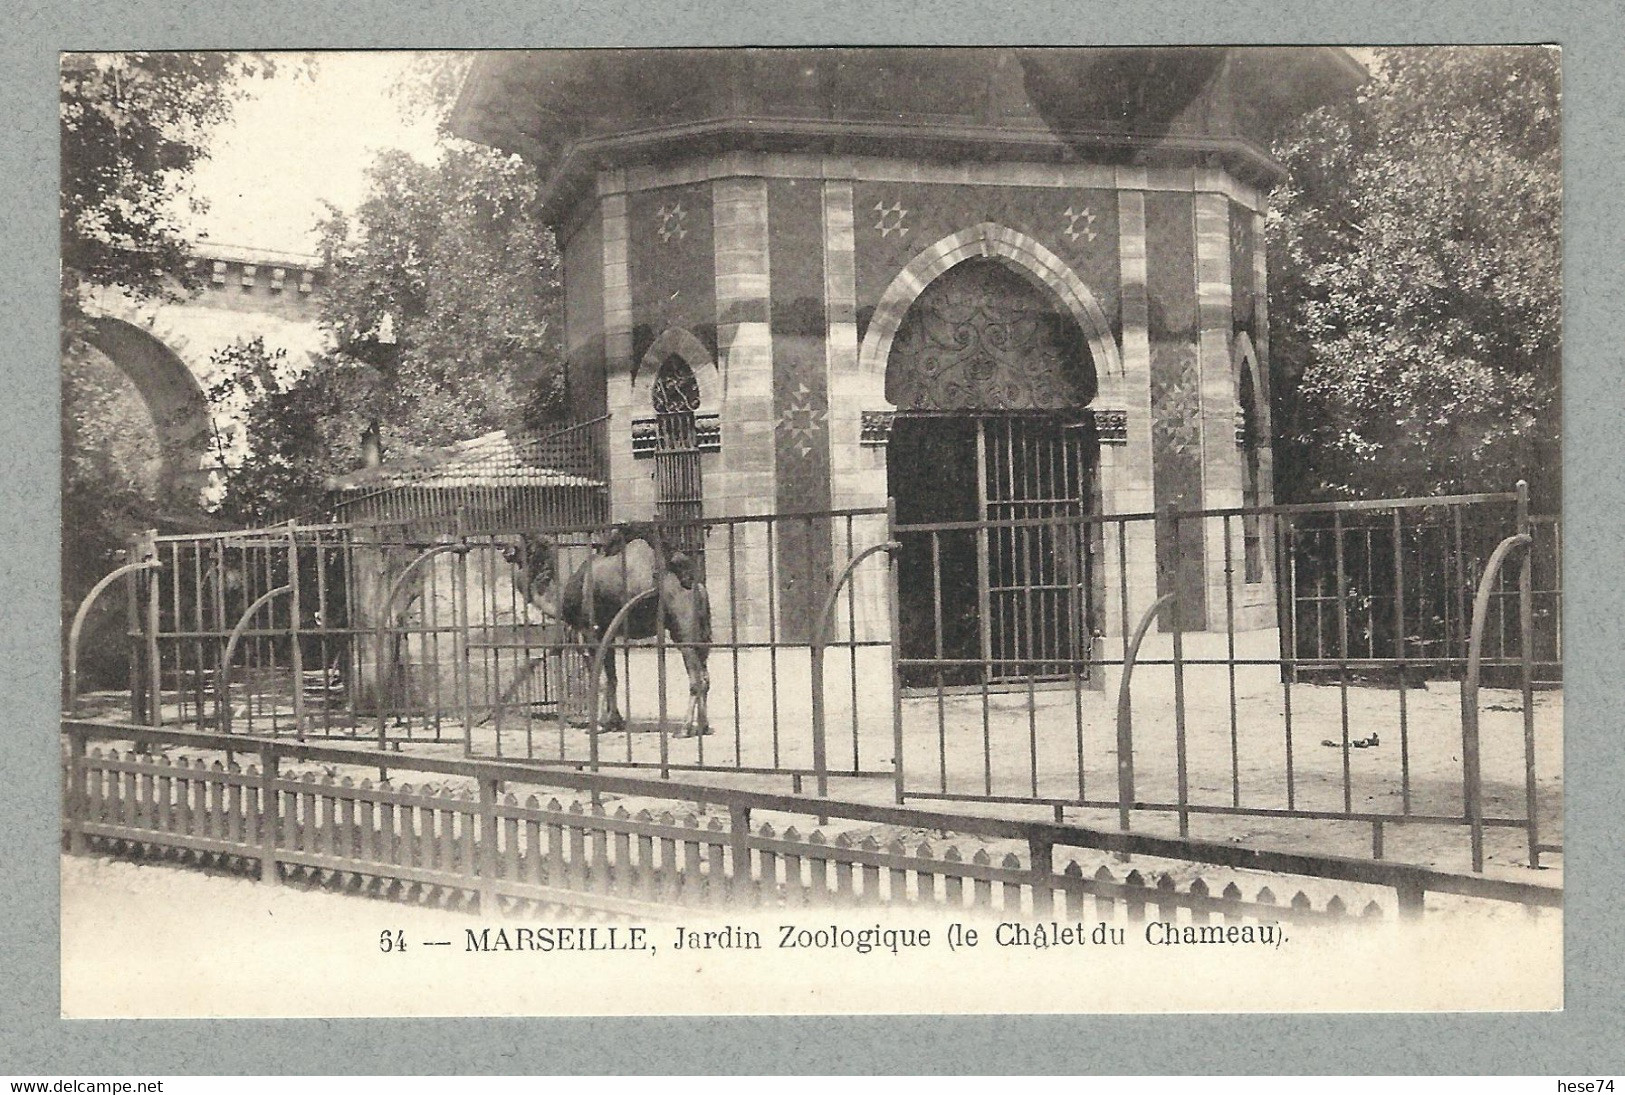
1080 224
802 421
891 219
671 222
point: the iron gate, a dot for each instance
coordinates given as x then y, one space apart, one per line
997 573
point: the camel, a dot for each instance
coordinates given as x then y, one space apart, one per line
630 563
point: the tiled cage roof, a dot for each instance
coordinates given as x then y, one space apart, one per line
496 459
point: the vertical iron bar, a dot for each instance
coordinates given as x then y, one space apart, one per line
1399 652
1462 619
983 553
733 636
1287 529
324 617
179 625
296 654
852 647
936 612
899 786
465 677
1342 655
1177 617
1526 641
155 663
221 672
773 630
1230 660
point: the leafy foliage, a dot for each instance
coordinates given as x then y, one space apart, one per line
281 433
133 125
445 282
1415 280
109 454
442 305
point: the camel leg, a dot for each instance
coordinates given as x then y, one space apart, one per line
699 686
612 720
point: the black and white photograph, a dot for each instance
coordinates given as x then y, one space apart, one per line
820 530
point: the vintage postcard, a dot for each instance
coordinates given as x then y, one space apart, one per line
812 530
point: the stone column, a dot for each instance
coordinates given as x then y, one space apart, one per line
1221 459
850 462
745 482
630 491
1129 488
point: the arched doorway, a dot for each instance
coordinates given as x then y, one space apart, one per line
990 377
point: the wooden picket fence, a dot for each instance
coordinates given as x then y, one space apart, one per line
496 850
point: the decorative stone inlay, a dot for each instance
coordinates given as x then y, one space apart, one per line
1080 224
891 219
646 435
1111 425
1176 399
876 427
671 222
802 422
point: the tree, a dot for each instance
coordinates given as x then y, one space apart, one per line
442 304
1415 280
280 433
133 125
445 281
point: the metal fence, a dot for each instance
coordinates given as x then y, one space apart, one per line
1304 662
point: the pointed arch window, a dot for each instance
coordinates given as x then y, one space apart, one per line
679 494
1252 539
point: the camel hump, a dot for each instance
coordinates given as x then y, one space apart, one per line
619 537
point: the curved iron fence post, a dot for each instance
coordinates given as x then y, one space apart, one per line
817 641
381 679
596 669
1125 712
83 613
223 678
1472 778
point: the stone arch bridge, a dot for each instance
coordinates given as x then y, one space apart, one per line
166 348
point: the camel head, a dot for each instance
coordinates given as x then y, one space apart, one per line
536 560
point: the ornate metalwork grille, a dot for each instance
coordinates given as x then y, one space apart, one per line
982 338
678 488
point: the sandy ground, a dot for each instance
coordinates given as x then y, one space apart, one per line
1061 744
